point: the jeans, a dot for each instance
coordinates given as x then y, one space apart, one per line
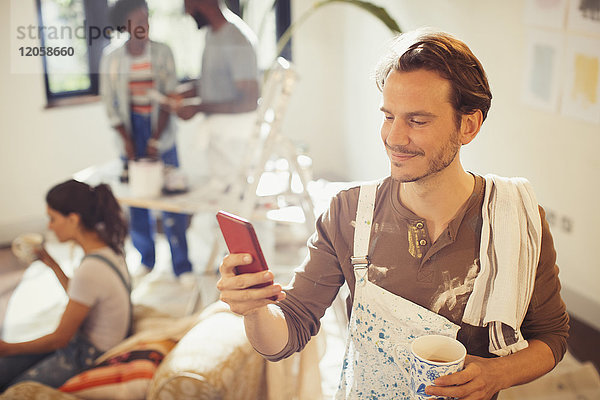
53 368
142 225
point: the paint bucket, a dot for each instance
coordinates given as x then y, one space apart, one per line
145 178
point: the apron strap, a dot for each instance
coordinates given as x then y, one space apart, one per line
364 221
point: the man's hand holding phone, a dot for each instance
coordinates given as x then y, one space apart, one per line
241 291
246 283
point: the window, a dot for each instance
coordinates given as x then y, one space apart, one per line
83 26
63 25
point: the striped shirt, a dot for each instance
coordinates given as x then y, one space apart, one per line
140 81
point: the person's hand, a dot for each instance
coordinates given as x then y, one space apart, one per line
186 112
152 152
235 289
152 149
129 148
173 103
477 381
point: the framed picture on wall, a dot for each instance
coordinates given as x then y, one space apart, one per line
543 69
581 91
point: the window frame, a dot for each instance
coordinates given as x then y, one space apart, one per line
94 15
283 20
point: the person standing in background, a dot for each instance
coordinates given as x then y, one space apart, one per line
227 90
128 75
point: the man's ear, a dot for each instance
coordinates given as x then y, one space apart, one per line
470 125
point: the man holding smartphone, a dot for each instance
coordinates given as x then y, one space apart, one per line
429 249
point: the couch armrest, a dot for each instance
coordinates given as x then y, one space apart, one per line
214 360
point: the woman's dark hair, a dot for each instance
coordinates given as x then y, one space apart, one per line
96 206
120 11
449 57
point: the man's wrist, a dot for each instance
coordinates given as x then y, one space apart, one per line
152 142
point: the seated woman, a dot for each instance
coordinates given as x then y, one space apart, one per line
98 313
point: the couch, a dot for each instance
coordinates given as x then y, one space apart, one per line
204 356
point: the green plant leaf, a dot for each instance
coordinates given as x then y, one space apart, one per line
378 12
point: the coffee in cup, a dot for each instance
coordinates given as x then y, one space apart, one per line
25 246
432 356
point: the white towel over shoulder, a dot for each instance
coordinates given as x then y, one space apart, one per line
511 238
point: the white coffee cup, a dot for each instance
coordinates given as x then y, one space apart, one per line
432 356
24 246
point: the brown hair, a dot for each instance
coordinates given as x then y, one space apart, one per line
119 12
97 207
446 55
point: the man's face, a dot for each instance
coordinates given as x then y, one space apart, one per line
195 9
419 128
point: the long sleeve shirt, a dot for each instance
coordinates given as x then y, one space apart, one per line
438 276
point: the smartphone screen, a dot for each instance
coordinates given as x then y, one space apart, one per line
240 237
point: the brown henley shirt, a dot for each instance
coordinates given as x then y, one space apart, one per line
438 275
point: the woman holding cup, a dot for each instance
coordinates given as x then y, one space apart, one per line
98 313
25 247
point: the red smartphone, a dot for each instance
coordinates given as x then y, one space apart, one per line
240 237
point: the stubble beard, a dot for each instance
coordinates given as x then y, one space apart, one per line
444 157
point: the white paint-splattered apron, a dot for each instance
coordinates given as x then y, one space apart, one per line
382 325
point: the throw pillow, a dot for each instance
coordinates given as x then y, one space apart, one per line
123 376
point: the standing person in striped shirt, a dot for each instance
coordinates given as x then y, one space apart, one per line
129 72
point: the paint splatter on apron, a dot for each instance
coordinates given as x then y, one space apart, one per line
382 325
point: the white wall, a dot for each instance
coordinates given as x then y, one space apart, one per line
38 147
335 111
